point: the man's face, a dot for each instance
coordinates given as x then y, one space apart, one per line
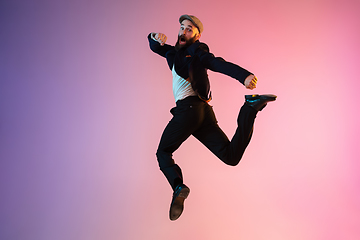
188 34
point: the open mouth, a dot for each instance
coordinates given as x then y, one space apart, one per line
182 40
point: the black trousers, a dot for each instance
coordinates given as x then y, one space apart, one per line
192 116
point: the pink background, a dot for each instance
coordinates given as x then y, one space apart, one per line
83 102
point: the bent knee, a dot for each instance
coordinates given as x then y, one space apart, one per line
231 162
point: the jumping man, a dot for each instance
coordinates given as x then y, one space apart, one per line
189 60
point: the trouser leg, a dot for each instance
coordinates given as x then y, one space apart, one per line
187 116
171 140
230 152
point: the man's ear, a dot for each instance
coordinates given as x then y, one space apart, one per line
198 36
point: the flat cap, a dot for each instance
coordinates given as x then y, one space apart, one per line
194 20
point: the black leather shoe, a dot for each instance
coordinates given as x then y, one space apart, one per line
258 102
177 204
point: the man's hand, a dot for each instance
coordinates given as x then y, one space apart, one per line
250 82
159 37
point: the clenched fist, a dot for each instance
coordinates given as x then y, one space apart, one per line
250 82
159 37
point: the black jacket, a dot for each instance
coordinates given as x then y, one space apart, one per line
193 61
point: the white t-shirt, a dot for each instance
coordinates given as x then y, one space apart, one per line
181 87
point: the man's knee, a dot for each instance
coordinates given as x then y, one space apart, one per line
231 161
164 159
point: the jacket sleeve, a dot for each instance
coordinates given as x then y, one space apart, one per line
218 64
157 48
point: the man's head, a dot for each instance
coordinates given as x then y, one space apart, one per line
190 31
195 21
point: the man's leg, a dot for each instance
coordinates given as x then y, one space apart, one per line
173 136
230 152
187 117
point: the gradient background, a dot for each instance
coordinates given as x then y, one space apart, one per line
83 103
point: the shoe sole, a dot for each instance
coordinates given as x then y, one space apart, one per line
269 97
250 99
177 206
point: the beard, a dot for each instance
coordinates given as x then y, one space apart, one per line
187 43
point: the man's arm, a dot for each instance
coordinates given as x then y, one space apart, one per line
157 43
218 64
